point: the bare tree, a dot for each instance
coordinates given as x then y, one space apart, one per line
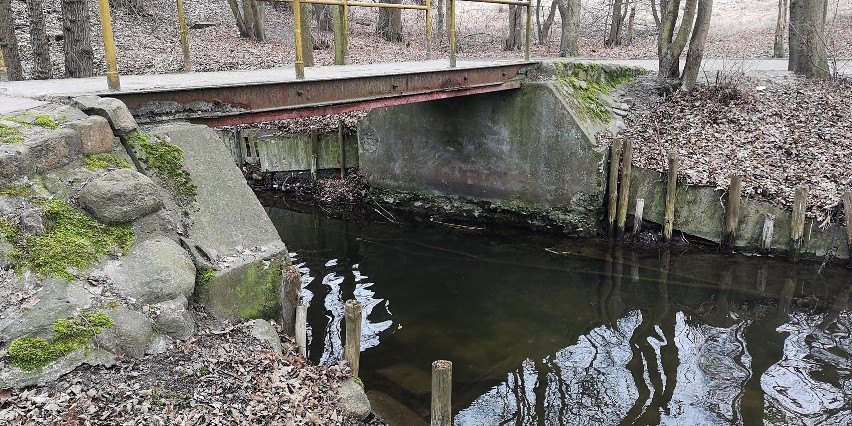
77 39
515 37
544 29
307 37
390 23
9 43
628 39
807 38
696 44
669 46
616 22
322 15
569 10
43 69
251 18
780 29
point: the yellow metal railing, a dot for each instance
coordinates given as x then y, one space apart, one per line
113 81
341 32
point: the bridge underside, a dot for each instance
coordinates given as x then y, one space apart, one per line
269 101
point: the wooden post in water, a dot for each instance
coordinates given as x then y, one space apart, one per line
314 153
352 349
637 215
766 237
614 154
342 146
671 194
442 386
302 329
732 213
847 212
797 224
624 187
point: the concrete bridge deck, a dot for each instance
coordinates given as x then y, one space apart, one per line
232 97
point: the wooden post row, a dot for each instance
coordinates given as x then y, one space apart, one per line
624 187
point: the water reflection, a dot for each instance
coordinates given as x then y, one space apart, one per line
593 335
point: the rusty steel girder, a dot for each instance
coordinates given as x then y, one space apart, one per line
258 102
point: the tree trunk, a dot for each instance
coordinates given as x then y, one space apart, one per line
696 44
614 36
548 22
441 27
9 43
807 38
251 18
569 10
669 46
322 15
42 68
628 39
514 39
307 37
656 14
77 33
238 16
390 23
780 29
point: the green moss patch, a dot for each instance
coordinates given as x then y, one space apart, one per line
166 160
105 161
10 135
70 334
71 239
17 191
204 275
587 83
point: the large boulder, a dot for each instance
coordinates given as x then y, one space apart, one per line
130 335
121 196
56 299
154 271
353 401
264 331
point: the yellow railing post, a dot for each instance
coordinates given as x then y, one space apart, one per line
452 21
109 46
428 29
529 31
297 29
184 39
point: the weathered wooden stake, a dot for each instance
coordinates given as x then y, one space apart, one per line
352 350
797 223
732 213
314 153
302 329
442 386
766 237
624 187
342 147
614 154
847 212
671 194
637 215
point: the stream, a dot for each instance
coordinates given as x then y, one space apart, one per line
544 330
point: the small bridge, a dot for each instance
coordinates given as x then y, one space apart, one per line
241 97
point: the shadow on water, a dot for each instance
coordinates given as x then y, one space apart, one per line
546 331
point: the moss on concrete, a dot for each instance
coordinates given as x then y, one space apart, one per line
72 333
105 161
248 291
588 83
71 239
166 161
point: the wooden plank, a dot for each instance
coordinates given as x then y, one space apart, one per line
797 223
671 194
442 385
732 213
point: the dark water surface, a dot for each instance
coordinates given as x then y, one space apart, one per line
548 331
